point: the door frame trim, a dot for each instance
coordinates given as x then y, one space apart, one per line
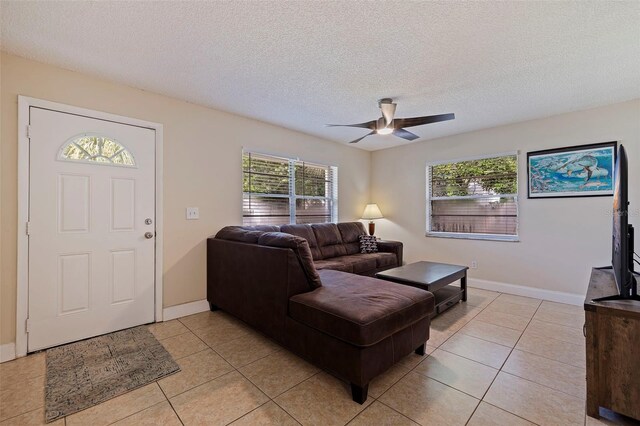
22 290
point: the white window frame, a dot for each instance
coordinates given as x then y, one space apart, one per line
472 236
292 196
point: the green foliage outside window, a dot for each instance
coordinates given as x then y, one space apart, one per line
475 177
311 181
263 176
266 176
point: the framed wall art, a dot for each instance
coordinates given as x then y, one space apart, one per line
575 171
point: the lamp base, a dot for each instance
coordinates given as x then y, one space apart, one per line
372 228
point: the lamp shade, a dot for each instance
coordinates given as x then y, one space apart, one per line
372 211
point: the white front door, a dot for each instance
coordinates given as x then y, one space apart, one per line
91 227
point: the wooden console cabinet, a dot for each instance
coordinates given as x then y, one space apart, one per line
613 349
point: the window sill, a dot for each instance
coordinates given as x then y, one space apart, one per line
485 237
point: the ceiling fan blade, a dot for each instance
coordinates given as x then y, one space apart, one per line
388 111
368 125
405 134
359 139
419 121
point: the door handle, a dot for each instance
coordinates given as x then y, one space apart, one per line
148 235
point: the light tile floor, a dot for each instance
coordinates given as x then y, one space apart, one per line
496 360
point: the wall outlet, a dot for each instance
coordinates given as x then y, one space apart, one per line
474 264
193 213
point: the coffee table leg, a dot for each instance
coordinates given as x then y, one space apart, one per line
463 286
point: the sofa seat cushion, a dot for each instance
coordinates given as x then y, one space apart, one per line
359 263
384 260
360 310
335 264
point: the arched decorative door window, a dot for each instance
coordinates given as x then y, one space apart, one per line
99 149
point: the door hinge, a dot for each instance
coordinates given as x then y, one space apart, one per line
28 325
29 131
28 227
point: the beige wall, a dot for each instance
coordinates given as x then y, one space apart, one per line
202 167
560 239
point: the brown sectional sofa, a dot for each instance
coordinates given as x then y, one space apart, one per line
295 290
334 246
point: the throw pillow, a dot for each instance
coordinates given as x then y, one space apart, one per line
368 244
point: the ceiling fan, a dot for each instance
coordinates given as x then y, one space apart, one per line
388 125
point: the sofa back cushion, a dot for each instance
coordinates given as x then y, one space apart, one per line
350 233
239 234
263 228
329 240
305 232
301 249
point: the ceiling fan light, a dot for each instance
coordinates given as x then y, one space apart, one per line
385 131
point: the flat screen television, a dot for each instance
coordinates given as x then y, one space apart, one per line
623 235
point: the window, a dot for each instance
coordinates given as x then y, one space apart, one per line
475 198
96 149
277 191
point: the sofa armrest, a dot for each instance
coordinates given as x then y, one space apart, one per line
394 247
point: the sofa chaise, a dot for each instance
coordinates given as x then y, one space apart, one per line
354 326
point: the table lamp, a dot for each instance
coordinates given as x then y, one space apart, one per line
372 211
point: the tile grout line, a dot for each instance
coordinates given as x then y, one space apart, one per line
504 362
284 409
22 414
233 340
173 335
405 375
445 384
544 386
499 369
395 382
284 391
200 385
455 332
449 386
247 413
129 415
191 354
237 369
170 404
133 414
520 417
281 348
393 409
555 323
547 358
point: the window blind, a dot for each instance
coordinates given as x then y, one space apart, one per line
474 198
278 191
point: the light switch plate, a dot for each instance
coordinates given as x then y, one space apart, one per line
193 213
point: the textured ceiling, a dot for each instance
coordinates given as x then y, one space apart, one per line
303 64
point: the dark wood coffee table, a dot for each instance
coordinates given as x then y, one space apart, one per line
433 277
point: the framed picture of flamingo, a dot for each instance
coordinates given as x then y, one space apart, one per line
574 171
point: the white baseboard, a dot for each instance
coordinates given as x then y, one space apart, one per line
177 311
7 352
519 290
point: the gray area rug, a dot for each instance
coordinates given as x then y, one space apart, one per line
86 373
